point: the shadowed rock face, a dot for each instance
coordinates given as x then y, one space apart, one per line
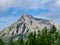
17 27
26 24
24 28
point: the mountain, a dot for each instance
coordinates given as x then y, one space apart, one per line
24 25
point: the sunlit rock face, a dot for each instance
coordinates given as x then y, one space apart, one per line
26 24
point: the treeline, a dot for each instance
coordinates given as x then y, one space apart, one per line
43 37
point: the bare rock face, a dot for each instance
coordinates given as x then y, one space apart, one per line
26 24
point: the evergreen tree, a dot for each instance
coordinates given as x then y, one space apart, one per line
53 29
11 42
20 40
1 42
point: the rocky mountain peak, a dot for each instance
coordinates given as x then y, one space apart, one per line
26 24
24 17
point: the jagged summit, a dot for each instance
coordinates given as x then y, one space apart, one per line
24 16
27 18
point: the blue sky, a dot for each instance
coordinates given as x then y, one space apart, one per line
11 10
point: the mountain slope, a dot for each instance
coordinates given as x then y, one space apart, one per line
25 24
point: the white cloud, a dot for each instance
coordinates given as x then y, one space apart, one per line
26 4
58 3
6 4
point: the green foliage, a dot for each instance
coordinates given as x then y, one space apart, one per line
53 29
20 41
32 38
11 42
1 42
